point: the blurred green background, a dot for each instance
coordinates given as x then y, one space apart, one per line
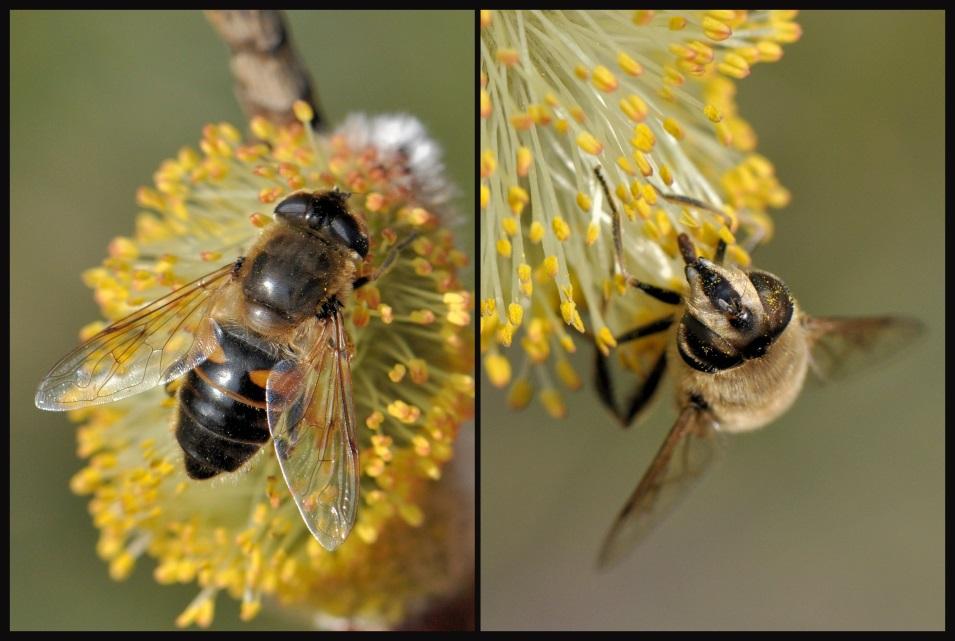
98 100
833 517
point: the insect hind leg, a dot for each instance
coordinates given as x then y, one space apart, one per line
638 400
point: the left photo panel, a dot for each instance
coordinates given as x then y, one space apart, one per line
242 317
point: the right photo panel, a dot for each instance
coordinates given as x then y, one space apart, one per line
711 320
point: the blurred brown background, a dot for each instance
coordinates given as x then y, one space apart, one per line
98 100
833 517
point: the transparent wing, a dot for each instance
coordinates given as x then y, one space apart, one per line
844 345
312 420
151 346
687 451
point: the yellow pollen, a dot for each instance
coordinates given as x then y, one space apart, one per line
581 72
604 79
515 313
643 138
504 247
677 23
508 57
486 17
520 394
418 370
540 114
605 340
517 198
561 229
485 196
523 273
716 29
550 266
485 104
583 201
568 309
536 232
488 163
712 113
634 107
553 403
374 202
498 369
673 128
524 160
397 372
249 609
593 231
122 566
665 175
630 66
509 225
262 128
374 420
303 111
568 375
522 121
672 77
769 51
589 144
642 17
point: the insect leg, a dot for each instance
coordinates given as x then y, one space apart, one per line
663 295
644 393
387 262
699 204
720 252
604 382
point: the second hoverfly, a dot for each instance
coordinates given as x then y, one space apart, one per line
262 350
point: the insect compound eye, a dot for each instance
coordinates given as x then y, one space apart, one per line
295 207
346 227
776 300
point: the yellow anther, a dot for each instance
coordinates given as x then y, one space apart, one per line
517 198
498 369
630 66
504 247
561 229
508 57
673 128
524 160
587 142
604 79
515 313
643 138
634 107
716 29
551 266
583 201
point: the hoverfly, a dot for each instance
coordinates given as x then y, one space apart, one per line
739 351
262 351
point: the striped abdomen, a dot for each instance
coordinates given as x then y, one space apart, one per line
222 420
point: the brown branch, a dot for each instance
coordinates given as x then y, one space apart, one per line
269 76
